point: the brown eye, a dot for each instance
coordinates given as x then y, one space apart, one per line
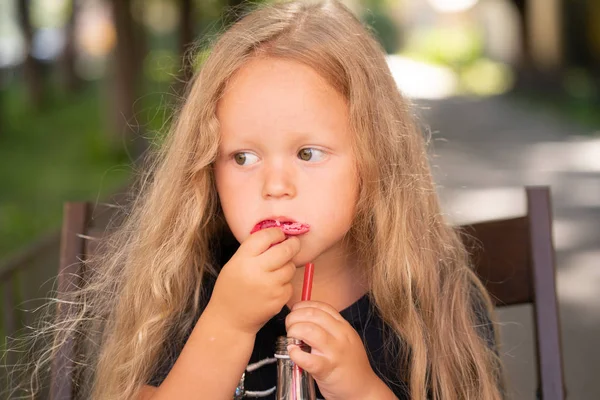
245 158
240 158
310 154
305 154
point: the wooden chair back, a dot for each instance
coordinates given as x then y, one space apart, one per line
515 260
84 224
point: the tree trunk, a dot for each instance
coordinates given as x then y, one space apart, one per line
593 34
186 40
70 79
525 57
124 73
2 102
128 58
579 19
32 67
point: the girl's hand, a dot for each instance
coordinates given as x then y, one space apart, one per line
256 282
338 361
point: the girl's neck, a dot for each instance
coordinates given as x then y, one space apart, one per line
338 280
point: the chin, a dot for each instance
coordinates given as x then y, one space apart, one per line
301 260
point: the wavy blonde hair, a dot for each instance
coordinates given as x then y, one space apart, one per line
145 288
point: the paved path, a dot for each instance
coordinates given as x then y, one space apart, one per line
484 152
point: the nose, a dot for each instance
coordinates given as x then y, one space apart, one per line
278 181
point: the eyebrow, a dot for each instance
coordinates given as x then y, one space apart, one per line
299 136
325 138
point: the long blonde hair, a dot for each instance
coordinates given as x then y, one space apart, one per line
146 286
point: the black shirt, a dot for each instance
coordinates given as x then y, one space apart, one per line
261 373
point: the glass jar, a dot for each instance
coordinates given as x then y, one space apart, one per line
293 383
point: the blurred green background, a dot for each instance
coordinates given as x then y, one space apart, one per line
87 86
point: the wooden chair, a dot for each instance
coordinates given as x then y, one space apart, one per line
514 258
83 224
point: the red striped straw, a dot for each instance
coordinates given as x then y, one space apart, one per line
309 270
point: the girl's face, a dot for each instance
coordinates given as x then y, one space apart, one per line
286 152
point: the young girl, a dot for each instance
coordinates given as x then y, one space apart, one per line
294 117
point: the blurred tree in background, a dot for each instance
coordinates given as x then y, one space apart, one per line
87 85
32 67
376 16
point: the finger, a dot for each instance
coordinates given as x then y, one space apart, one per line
279 255
259 242
321 306
316 365
316 316
312 334
285 274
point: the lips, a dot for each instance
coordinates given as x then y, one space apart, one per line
289 227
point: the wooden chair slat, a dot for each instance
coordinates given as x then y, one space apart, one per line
9 312
515 260
75 222
500 255
549 354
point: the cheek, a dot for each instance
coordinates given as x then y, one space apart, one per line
232 201
341 197
222 187
228 185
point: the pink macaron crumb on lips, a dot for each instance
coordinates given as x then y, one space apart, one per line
290 228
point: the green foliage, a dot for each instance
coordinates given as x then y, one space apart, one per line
486 78
384 28
580 84
581 111
576 99
61 154
161 65
455 47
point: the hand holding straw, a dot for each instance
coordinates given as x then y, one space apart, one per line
306 290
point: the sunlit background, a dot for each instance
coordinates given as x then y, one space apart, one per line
507 91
